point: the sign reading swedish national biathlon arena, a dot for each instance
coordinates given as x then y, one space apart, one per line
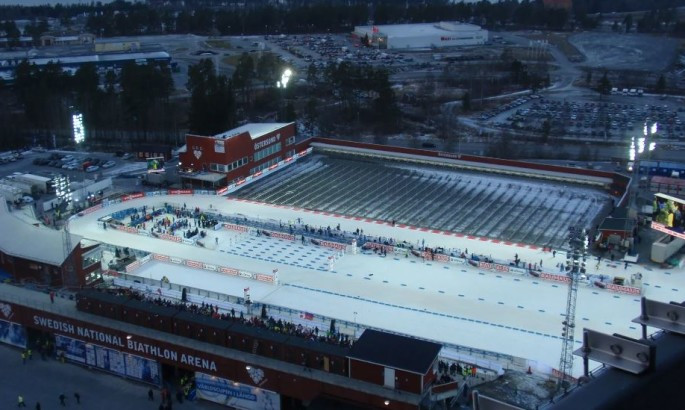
132 344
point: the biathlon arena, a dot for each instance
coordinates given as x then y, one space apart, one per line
463 253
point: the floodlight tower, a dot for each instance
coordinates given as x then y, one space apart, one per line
638 146
575 266
283 83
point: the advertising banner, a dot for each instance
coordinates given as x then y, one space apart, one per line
623 289
74 350
236 395
12 333
556 278
333 245
142 369
110 360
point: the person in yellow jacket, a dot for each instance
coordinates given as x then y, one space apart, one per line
20 401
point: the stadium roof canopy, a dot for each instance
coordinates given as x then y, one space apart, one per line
32 240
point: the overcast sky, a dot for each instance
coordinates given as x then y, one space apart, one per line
41 2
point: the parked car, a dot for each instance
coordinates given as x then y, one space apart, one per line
127 155
27 199
109 164
92 168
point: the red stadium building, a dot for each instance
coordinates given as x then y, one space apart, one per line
217 160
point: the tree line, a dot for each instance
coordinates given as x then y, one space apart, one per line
134 101
210 17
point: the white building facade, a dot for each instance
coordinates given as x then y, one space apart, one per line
429 35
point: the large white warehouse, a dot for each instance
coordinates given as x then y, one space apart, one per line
429 35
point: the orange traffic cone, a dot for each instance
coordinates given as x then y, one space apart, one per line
529 371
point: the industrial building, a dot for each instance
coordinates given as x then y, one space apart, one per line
105 54
428 35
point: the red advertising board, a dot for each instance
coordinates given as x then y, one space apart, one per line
180 192
168 237
623 289
234 227
436 257
229 271
333 245
159 257
281 235
556 278
493 266
265 278
127 229
132 196
193 264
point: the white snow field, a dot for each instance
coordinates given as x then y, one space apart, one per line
457 304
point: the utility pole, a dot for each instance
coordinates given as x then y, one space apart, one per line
575 266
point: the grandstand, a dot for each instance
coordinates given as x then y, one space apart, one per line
476 203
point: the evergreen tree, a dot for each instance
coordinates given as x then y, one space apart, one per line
660 84
466 102
604 86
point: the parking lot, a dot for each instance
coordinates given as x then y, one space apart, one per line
71 164
583 119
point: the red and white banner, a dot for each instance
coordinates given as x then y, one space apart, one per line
555 278
132 196
623 289
265 278
161 258
281 235
229 271
493 266
172 238
128 229
180 192
334 245
436 257
237 228
193 264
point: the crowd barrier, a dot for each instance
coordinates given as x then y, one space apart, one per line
261 277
